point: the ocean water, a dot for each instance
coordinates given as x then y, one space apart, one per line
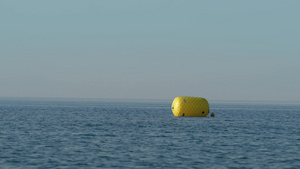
145 134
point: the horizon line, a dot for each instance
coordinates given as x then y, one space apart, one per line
150 99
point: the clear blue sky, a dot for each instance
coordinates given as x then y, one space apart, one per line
150 49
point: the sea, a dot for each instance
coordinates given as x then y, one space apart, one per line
108 133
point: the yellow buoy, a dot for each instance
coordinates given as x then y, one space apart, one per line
190 106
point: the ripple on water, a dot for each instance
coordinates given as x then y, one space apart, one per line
74 134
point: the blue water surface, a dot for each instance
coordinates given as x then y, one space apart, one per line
53 133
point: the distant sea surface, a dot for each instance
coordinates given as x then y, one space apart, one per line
51 133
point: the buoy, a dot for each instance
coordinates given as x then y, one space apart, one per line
212 115
190 106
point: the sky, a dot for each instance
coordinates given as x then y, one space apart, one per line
150 49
